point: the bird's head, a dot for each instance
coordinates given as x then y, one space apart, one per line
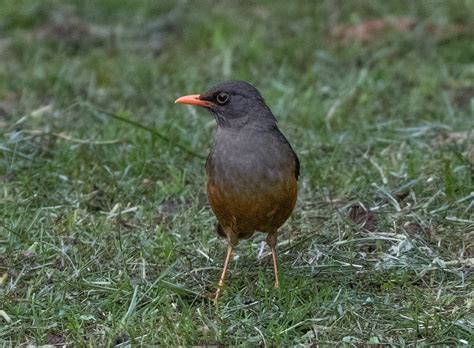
233 104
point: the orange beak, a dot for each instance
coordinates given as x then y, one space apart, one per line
192 99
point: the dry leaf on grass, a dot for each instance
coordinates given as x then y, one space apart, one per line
454 138
413 229
369 30
361 216
55 339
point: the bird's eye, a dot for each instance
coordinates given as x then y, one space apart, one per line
222 98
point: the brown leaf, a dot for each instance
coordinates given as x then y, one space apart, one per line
367 31
362 32
55 339
454 138
413 228
360 216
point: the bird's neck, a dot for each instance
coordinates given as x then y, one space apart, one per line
261 121
231 123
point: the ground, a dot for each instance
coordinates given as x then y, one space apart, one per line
106 235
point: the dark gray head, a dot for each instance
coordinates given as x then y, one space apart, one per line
233 104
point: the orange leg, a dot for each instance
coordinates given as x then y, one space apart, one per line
271 241
224 271
275 267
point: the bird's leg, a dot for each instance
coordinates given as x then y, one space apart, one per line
224 271
271 241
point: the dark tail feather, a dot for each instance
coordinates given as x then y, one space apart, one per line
220 230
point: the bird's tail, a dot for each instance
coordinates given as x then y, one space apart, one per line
220 230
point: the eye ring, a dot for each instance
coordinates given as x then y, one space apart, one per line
222 98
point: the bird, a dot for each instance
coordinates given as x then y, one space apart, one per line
252 170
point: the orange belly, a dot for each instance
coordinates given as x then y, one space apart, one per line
250 209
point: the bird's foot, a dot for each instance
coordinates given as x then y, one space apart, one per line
217 295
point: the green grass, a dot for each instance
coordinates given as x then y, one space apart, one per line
106 236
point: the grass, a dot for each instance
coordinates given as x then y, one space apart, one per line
106 236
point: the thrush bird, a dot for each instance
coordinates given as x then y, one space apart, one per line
252 169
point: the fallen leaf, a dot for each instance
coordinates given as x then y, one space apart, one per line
361 216
454 138
413 229
55 339
367 31
362 32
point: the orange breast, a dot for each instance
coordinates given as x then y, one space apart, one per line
254 208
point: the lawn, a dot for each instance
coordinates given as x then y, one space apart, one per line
106 235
